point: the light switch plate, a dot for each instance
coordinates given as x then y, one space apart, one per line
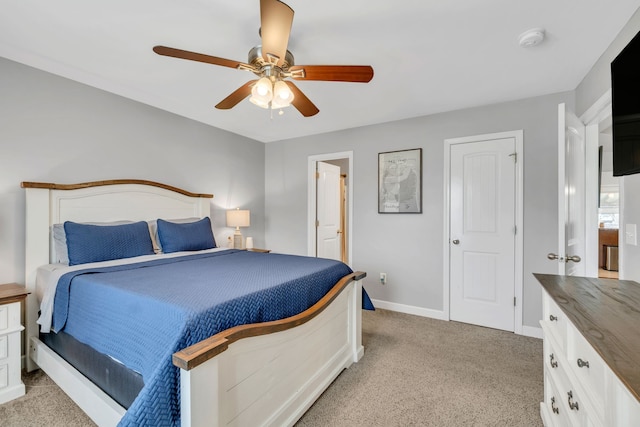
630 235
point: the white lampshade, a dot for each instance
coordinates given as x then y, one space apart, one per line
282 95
238 218
262 92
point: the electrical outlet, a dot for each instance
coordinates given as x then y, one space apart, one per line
383 278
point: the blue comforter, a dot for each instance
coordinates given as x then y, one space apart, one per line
142 313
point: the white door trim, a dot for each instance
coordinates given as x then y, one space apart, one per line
519 200
598 113
311 201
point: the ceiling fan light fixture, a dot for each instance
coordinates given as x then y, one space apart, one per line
282 95
262 93
259 102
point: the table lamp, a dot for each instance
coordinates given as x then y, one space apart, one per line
238 218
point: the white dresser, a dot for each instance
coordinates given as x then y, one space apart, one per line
591 351
11 386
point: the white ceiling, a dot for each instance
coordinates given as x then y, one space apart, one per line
428 56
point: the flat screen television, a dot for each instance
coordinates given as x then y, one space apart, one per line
625 104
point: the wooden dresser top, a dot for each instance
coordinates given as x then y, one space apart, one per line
12 292
607 313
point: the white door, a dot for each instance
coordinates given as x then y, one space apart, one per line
328 238
482 232
571 194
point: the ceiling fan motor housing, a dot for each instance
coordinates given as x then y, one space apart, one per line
257 60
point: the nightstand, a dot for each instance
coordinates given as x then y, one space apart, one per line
265 251
11 386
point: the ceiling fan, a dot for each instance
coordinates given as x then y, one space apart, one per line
273 63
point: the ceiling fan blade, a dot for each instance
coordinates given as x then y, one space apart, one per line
301 102
238 95
334 73
275 26
199 57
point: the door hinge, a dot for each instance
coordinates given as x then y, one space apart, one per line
515 157
515 229
317 223
317 175
514 301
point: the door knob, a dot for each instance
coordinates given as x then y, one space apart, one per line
455 241
574 258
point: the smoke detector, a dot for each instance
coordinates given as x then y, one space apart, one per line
532 37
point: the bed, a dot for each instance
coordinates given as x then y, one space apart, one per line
267 372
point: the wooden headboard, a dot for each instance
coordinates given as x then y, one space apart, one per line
99 201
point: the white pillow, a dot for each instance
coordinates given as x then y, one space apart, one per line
60 244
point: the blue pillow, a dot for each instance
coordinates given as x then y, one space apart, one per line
93 243
188 236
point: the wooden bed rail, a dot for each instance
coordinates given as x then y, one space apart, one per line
52 186
204 350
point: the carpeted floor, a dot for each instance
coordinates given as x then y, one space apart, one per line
415 371
426 372
43 405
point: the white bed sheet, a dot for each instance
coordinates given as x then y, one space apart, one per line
48 276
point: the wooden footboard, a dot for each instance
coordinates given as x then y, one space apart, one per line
271 373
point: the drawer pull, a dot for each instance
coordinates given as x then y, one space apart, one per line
554 408
583 363
554 362
553 318
572 405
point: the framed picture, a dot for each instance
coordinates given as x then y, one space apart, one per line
400 181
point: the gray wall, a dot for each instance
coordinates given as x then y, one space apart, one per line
56 130
409 247
596 83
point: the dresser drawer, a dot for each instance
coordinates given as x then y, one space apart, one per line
555 411
11 386
4 318
10 318
4 375
588 367
570 401
554 320
553 359
4 347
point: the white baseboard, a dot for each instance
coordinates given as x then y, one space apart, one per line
409 309
528 331
531 331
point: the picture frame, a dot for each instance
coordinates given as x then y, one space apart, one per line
400 181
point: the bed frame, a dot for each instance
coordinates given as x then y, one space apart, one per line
260 374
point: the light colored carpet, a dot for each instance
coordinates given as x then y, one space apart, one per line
415 371
44 404
426 372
